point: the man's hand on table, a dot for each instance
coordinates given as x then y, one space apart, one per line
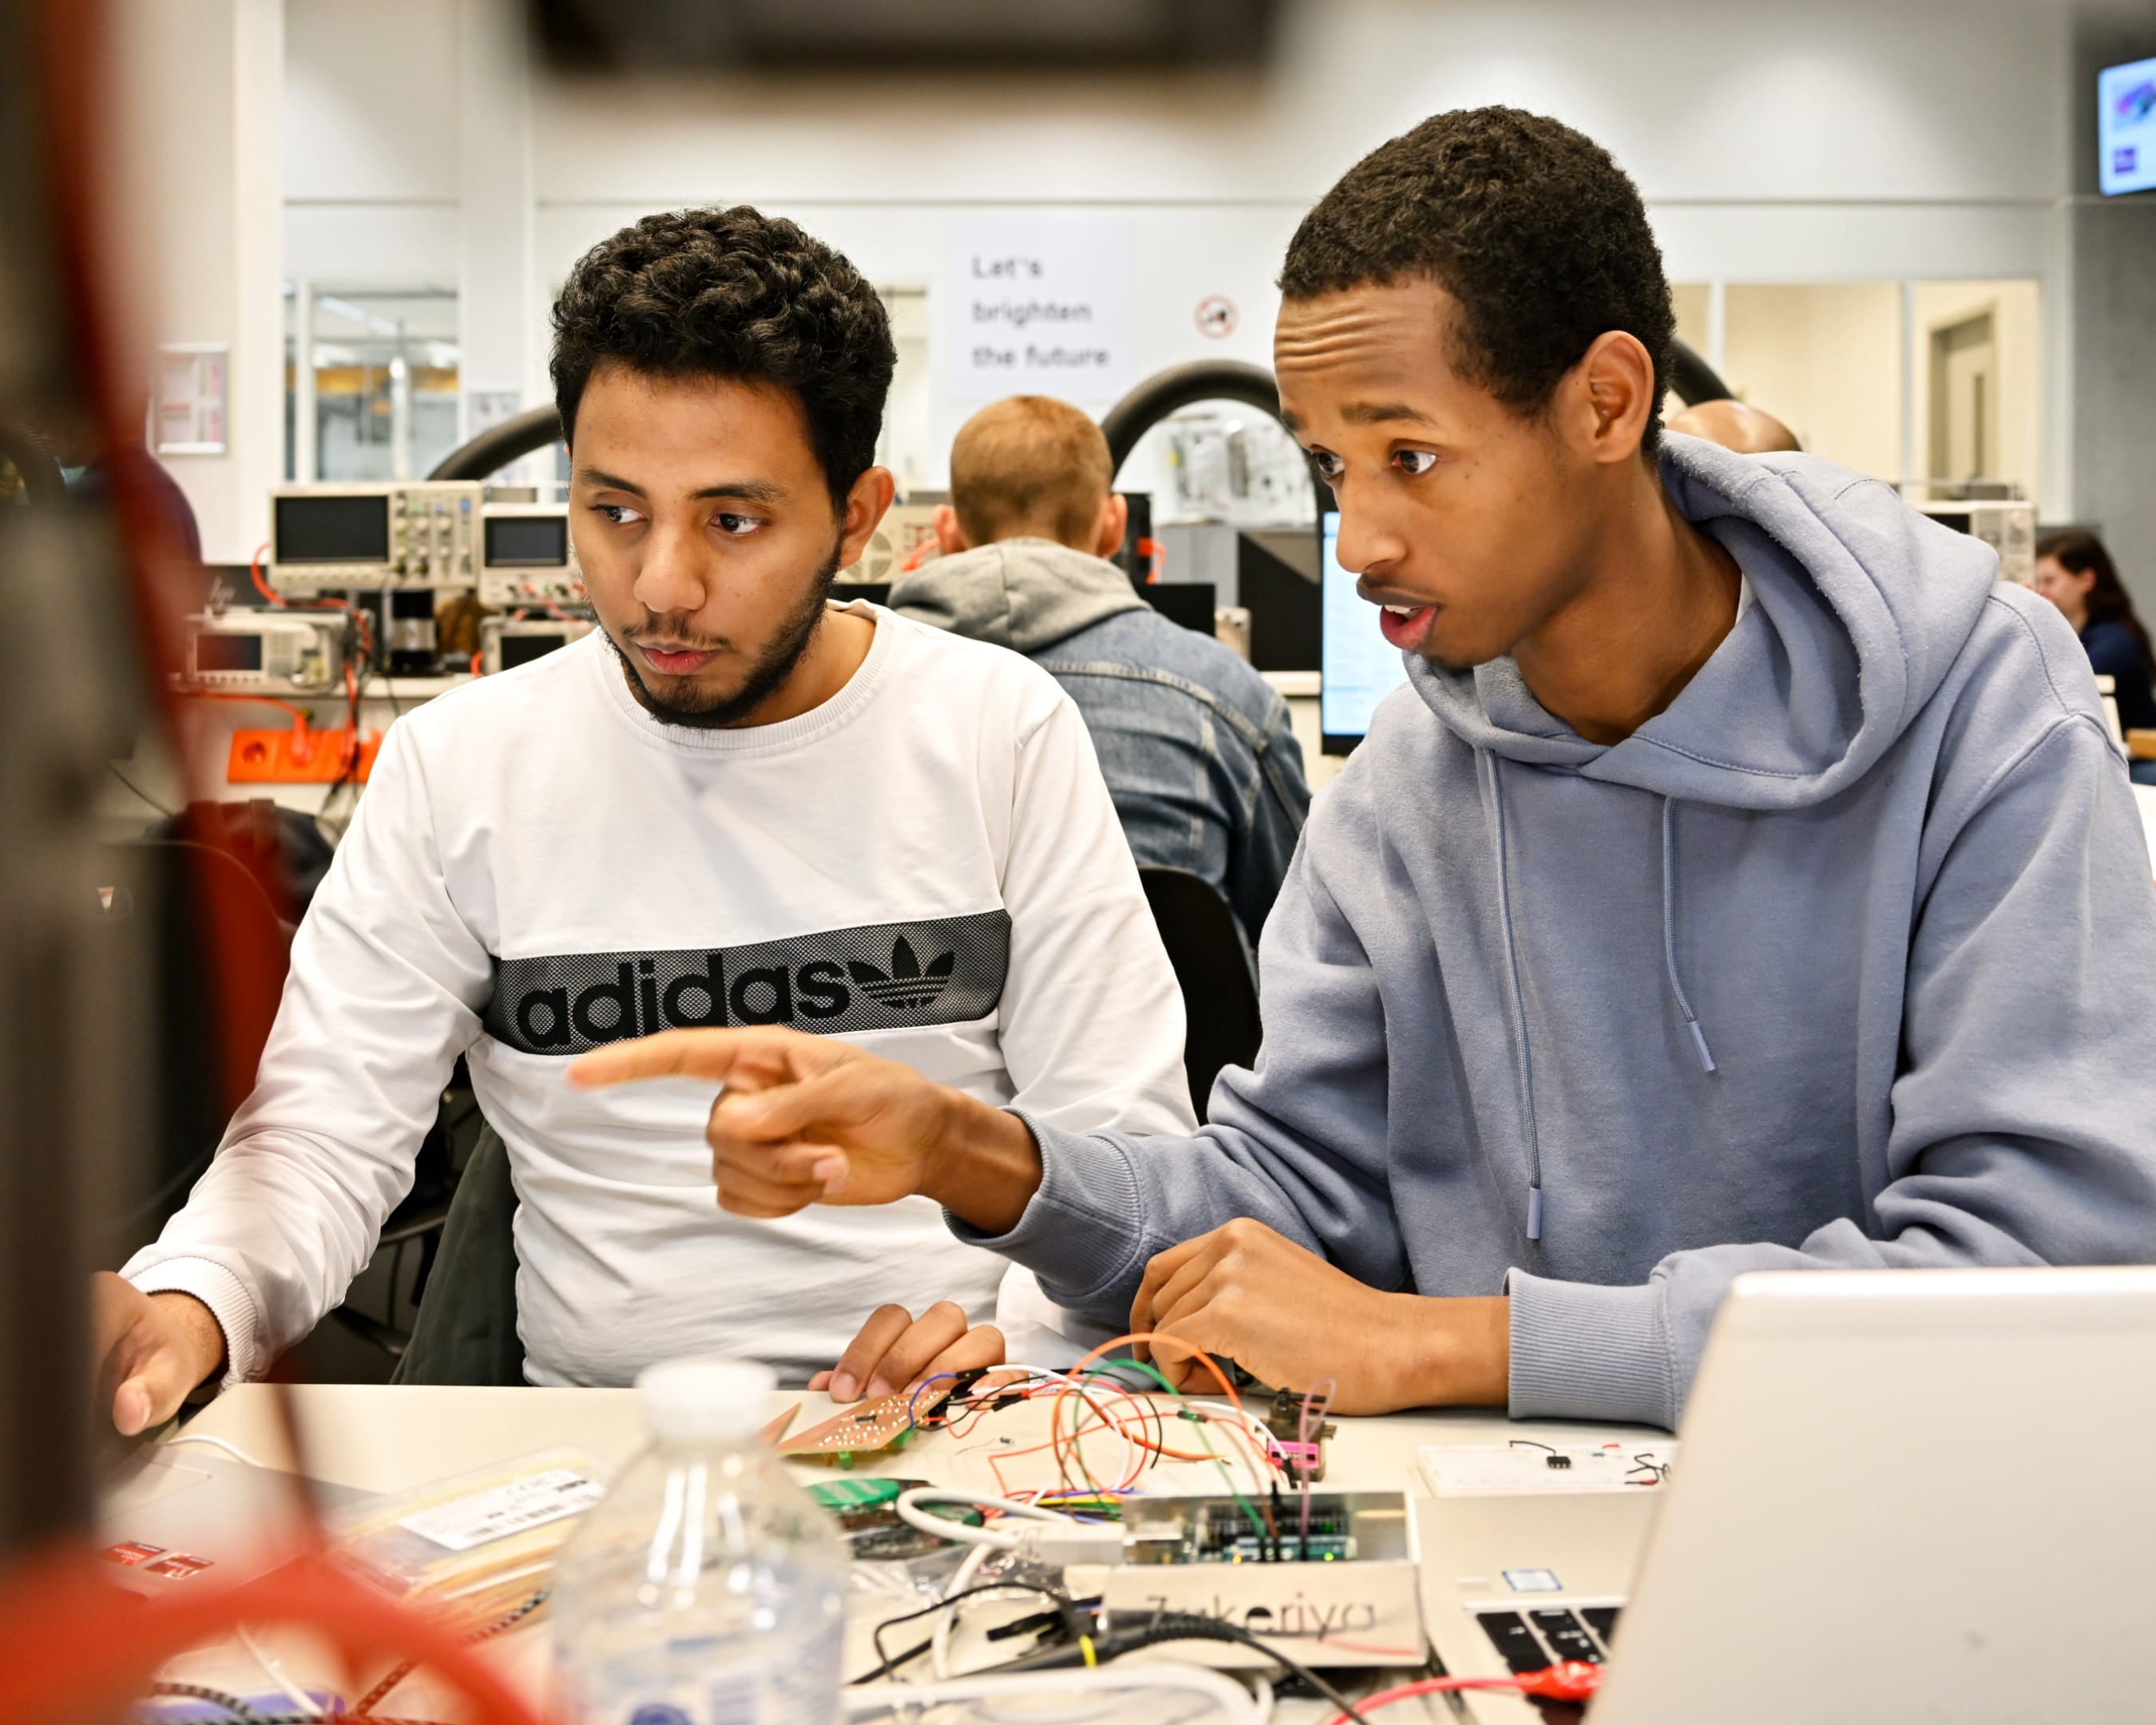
152 1350
896 1351
1246 1293
808 1120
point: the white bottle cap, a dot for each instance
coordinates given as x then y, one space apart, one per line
685 1400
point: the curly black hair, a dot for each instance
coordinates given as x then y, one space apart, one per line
733 293
1531 226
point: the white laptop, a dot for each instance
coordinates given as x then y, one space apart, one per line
1899 1495
171 1513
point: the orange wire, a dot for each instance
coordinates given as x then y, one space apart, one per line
357 613
262 586
1064 1392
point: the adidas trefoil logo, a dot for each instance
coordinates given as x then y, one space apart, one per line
909 986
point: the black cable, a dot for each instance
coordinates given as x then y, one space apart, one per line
1173 1627
886 1664
169 814
215 1697
398 1673
331 1719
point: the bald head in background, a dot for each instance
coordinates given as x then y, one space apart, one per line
1737 425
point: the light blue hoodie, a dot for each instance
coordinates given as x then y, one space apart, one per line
1846 959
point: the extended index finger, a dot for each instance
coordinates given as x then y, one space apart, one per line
714 1054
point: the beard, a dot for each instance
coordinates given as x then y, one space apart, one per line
701 709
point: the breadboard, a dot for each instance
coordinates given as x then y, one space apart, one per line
871 1428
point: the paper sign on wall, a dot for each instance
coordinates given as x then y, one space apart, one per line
188 406
1037 306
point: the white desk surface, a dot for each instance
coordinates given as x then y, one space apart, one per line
385 1438
380 1438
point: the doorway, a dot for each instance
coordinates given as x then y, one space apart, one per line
1965 398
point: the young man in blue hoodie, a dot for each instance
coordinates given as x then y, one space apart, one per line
1744 881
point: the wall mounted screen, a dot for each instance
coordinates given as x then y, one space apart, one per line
2126 127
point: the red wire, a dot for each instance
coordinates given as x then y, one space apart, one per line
1064 1392
1570 1680
357 615
262 586
74 1646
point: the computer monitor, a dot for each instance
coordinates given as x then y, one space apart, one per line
2126 127
1357 665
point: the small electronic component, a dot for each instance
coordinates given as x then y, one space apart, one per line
873 1427
867 1514
1557 1462
1222 1530
1302 1440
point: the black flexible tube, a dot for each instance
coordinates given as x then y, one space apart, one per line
32 457
1692 380
494 448
1178 386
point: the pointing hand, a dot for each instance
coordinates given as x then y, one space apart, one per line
804 1120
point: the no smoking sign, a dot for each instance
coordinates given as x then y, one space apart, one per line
1216 316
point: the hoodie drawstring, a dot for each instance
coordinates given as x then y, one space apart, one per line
1519 998
1669 932
1519 1008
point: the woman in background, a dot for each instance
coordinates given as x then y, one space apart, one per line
2075 574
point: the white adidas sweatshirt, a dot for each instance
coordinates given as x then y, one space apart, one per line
927 865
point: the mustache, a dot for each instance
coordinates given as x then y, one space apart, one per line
675 638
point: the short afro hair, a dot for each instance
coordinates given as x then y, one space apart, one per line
735 293
1531 226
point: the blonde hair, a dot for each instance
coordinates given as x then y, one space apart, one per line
1032 465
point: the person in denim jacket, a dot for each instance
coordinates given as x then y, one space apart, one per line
1195 745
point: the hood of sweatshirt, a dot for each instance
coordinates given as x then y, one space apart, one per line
1022 594
1880 857
1859 606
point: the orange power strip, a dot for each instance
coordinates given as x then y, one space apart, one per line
297 757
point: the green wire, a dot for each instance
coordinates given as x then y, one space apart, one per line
1103 1369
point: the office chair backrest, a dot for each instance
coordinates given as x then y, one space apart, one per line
158 900
1212 965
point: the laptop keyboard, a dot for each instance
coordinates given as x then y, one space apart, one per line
1533 1640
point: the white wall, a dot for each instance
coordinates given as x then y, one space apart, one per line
1826 360
1836 142
198 84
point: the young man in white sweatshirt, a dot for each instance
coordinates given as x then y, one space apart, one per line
736 803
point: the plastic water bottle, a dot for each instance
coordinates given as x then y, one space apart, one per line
707 1587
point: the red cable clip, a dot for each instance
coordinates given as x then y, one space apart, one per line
1569 1680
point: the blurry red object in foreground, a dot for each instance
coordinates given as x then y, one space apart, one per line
76 1651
